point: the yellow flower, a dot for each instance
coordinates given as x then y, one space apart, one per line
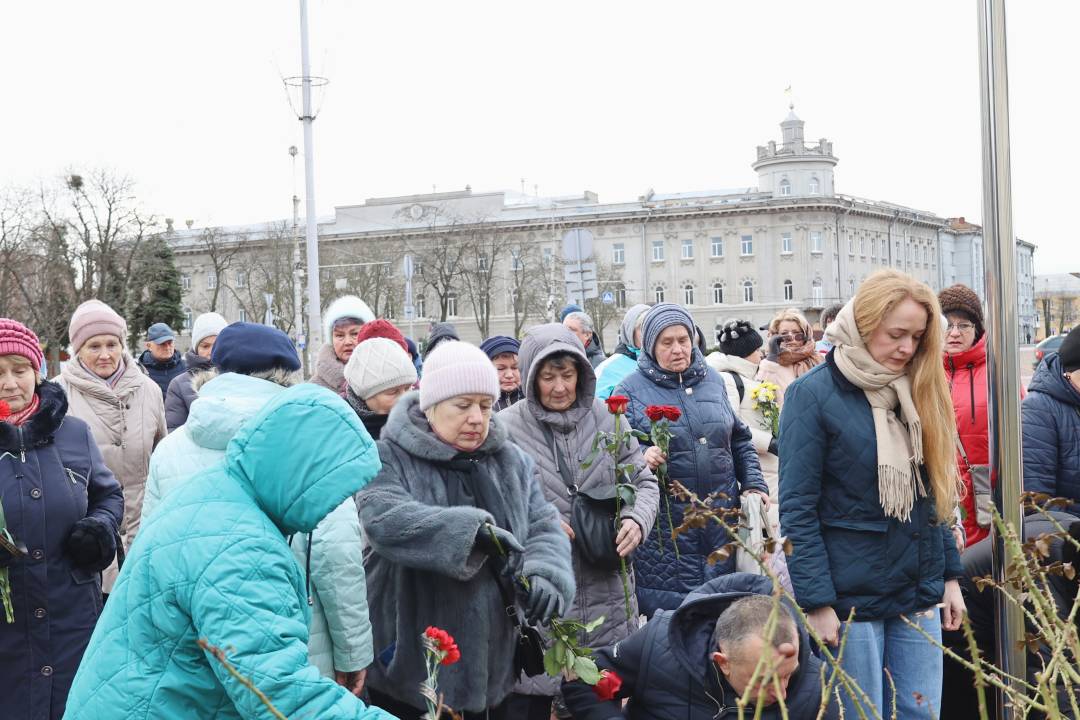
754 406
770 395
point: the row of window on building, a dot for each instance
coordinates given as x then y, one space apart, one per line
239 280
920 253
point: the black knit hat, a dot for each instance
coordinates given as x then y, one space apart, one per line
962 299
1069 352
738 338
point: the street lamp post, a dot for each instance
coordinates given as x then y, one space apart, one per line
314 334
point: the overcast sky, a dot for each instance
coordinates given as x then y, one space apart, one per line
614 97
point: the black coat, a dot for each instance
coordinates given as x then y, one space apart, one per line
667 672
163 372
51 476
181 394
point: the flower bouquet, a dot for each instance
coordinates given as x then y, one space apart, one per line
764 397
439 649
660 419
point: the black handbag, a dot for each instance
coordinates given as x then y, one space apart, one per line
592 515
529 646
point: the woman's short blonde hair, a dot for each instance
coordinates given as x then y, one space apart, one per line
794 316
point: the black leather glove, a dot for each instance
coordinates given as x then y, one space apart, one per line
544 601
774 447
774 348
91 544
486 544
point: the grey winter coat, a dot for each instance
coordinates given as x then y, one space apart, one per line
599 591
423 568
181 394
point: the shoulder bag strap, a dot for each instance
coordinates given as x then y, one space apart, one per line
963 453
739 385
560 461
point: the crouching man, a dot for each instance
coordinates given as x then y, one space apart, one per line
694 662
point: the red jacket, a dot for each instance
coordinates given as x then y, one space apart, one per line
967 379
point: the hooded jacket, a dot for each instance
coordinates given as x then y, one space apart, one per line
127 421
967 381
1051 430
424 569
51 477
623 361
340 632
667 670
236 583
573 432
726 365
711 451
162 372
181 394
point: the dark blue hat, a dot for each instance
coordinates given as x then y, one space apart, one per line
247 348
499 344
572 307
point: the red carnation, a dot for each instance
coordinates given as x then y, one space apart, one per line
609 685
616 404
452 656
655 412
445 642
672 413
5 410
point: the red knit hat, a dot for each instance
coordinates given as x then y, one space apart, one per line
17 339
384 329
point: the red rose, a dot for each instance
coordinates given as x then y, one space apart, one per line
616 404
655 412
609 685
672 413
5 410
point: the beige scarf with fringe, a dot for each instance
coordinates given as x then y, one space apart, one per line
899 440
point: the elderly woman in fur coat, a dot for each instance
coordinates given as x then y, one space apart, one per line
455 516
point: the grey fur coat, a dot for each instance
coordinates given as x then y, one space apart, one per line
423 569
599 591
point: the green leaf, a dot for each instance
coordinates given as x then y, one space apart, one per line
591 626
552 665
627 493
644 437
590 458
586 671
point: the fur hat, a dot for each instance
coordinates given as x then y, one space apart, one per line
17 339
206 325
381 329
738 338
1069 352
378 364
94 317
457 368
347 307
962 299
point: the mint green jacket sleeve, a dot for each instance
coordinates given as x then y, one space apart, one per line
246 602
337 574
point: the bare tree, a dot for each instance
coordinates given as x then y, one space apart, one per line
221 249
265 268
369 271
482 274
534 281
14 234
607 279
441 255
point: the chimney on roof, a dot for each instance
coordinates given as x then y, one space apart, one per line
189 223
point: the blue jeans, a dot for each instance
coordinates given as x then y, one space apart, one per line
915 666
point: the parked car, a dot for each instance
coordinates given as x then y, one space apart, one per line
1049 345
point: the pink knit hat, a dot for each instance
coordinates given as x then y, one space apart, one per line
17 339
457 368
92 318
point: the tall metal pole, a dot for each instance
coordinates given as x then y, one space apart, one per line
999 250
314 337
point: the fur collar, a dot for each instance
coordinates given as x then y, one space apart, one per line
329 371
38 431
408 427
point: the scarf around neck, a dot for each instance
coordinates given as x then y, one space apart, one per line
802 359
899 440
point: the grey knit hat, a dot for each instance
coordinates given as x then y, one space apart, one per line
660 318
378 364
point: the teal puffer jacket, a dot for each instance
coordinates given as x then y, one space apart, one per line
213 563
340 628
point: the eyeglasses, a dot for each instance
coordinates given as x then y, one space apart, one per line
793 337
962 327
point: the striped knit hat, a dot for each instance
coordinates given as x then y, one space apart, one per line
659 319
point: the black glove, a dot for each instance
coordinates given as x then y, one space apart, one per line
774 348
91 544
486 545
774 447
544 601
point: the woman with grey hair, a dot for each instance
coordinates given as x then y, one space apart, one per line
624 360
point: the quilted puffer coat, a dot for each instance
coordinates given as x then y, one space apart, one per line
424 567
340 629
711 451
1051 427
967 380
613 371
573 431
845 552
235 584
51 476
181 393
128 421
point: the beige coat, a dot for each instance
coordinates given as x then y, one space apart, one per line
127 422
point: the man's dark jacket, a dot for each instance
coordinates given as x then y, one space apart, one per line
163 371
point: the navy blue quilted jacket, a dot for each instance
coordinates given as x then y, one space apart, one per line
1051 424
846 552
711 450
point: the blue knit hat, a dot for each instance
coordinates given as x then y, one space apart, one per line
572 307
247 348
659 319
499 344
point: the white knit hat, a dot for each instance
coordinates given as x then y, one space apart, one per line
456 368
206 325
346 306
378 364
